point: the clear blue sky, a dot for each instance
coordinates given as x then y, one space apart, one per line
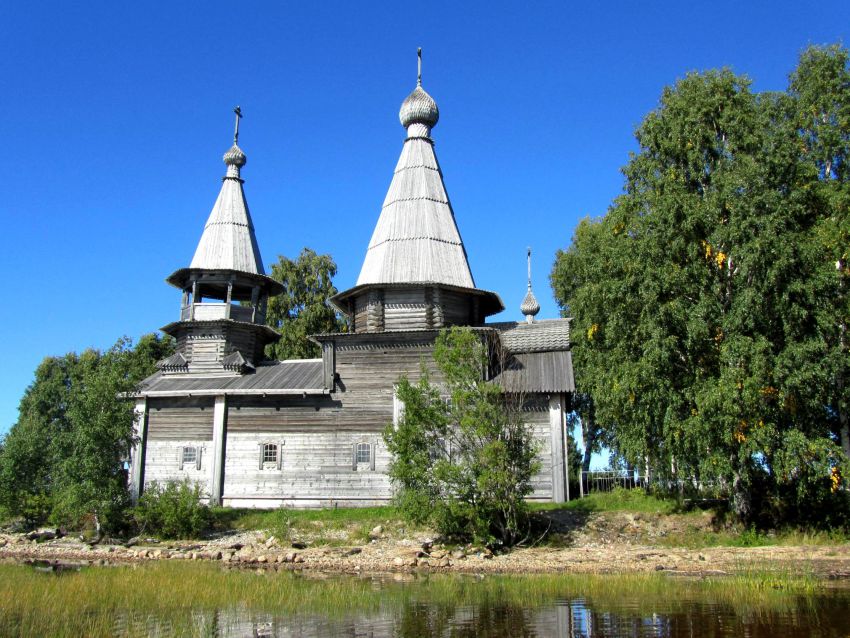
115 117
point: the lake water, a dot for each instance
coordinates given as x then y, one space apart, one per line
205 600
826 613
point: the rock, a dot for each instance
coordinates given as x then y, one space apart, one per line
438 554
290 557
701 557
235 546
262 559
271 541
423 562
3 542
215 555
376 532
299 545
298 559
444 562
157 553
458 554
660 568
225 556
398 561
352 552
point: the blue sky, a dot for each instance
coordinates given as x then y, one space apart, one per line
115 117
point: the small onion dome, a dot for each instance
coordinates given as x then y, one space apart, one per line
529 306
235 157
419 108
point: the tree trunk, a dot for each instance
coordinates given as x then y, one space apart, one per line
741 504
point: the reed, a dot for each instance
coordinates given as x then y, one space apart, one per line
186 597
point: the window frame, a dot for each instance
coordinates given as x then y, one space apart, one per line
356 464
196 461
262 448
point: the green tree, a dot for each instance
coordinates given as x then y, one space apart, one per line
303 308
703 302
64 458
462 457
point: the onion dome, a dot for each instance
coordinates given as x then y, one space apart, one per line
419 108
529 306
235 157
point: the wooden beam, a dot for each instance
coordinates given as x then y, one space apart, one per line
556 428
219 441
137 454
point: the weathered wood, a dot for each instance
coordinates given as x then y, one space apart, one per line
137 454
218 449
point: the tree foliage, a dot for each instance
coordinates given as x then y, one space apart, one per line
462 457
303 308
64 458
710 302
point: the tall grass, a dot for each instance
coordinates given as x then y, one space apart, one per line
92 601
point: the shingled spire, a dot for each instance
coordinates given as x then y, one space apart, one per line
228 241
416 243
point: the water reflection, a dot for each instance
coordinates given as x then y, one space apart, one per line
821 615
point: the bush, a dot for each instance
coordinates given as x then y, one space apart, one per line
463 465
173 510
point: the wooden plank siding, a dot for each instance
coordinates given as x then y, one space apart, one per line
180 419
316 434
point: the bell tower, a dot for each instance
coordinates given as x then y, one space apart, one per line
225 289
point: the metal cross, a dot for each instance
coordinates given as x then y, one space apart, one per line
529 267
238 111
419 67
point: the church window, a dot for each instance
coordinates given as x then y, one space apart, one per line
362 456
270 456
190 456
364 453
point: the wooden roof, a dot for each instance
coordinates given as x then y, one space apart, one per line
228 241
416 239
295 376
540 336
537 372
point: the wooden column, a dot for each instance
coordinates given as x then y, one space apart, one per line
219 442
228 300
556 429
137 454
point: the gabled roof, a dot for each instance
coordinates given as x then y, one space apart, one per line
228 241
416 239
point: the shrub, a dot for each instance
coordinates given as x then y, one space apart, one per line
173 510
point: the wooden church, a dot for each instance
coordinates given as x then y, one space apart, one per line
307 433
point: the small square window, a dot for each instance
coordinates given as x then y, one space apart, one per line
269 453
190 456
364 453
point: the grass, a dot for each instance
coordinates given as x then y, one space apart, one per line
617 500
188 599
338 526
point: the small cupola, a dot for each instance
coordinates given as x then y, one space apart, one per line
529 306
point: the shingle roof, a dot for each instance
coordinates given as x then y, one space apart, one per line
537 372
416 239
541 336
228 241
275 377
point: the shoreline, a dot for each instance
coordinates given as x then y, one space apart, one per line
383 556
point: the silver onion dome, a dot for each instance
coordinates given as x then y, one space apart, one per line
419 108
529 306
235 157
